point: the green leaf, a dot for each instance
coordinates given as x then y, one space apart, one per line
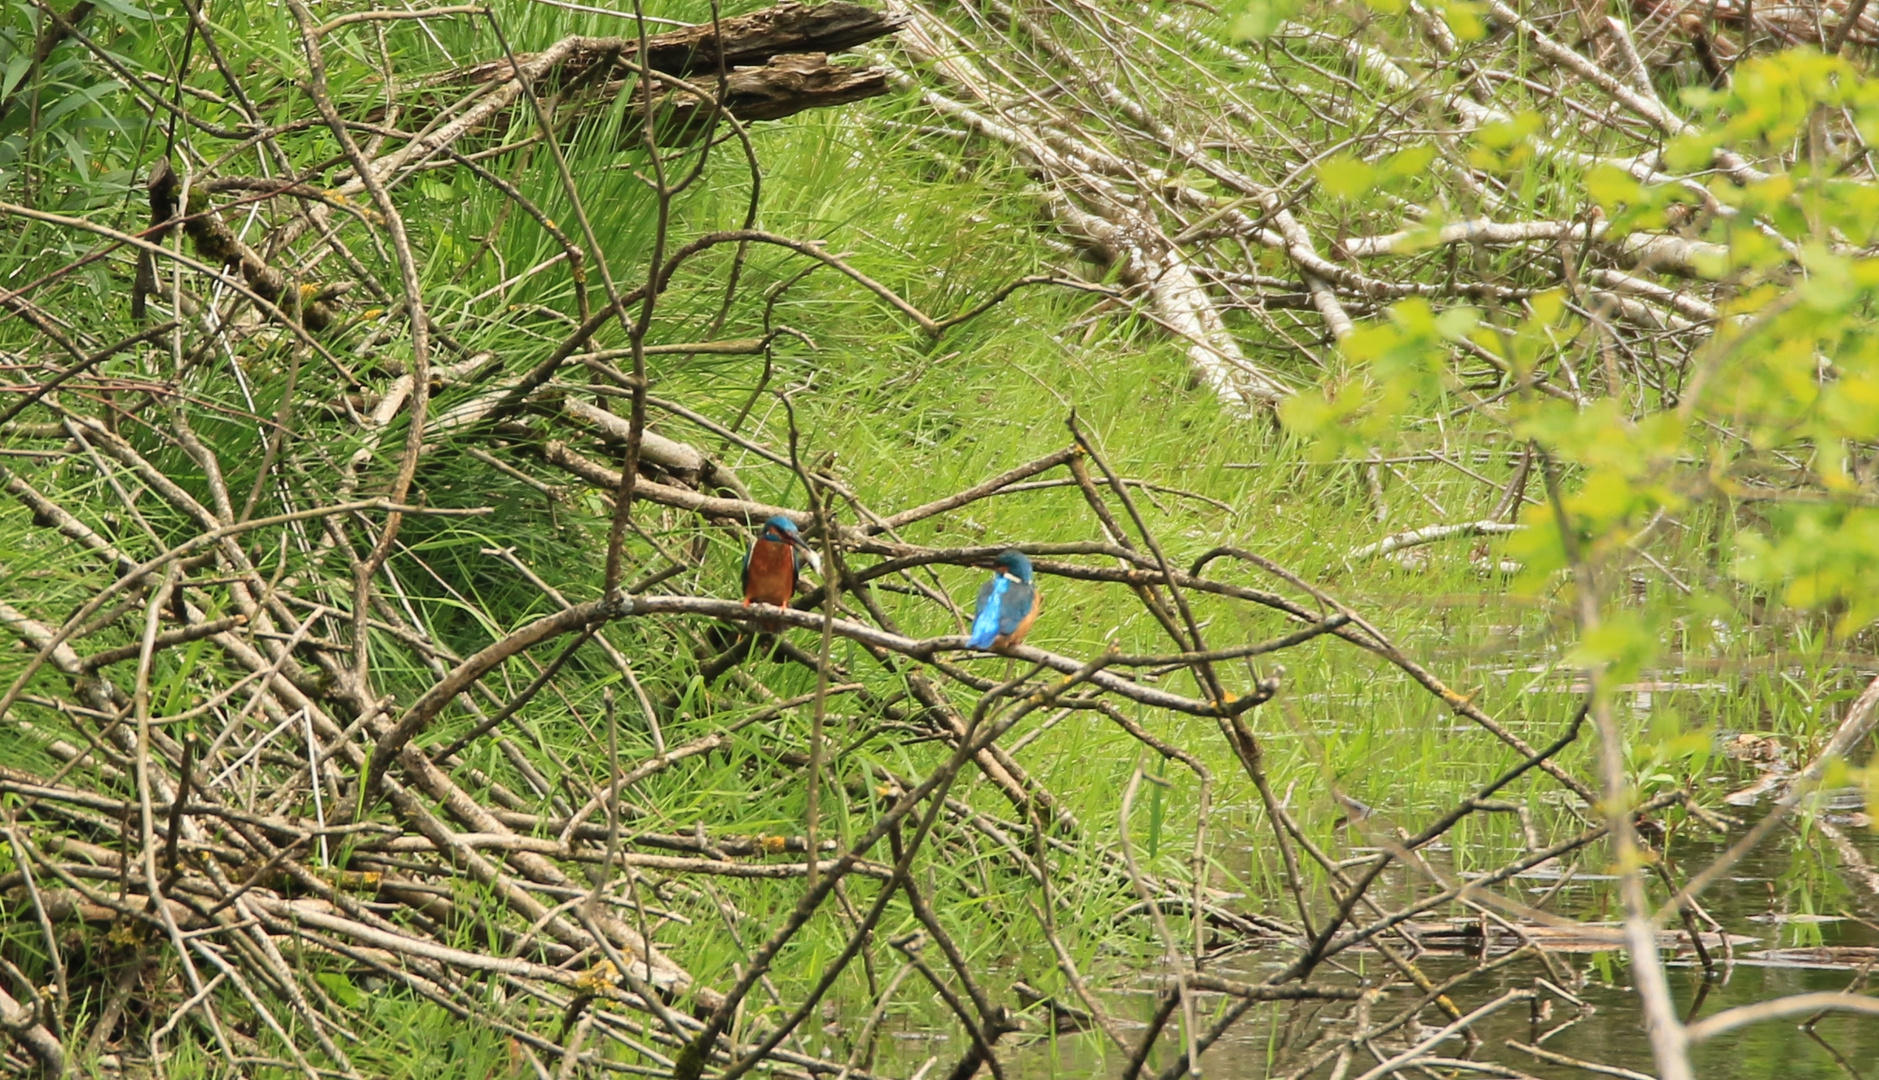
1830 285
1457 323
1613 188
1464 19
1260 19
1409 161
1346 177
16 70
1620 646
340 988
126 10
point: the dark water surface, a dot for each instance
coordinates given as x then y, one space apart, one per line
1273 1040
1796 950
1811 930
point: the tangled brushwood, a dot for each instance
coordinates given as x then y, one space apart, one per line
309 717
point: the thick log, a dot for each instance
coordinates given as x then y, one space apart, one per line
785 86
753 39
774 64
745 41
23 1024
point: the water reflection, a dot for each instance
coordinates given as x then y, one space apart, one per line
1584 1008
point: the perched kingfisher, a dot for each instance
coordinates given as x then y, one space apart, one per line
1008 604
770 568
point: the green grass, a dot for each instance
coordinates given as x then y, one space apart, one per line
904 420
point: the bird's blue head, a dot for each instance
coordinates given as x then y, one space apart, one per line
1014 563
782 530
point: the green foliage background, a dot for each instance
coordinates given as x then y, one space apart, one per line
1725 524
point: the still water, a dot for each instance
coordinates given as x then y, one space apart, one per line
1786 938
1793 950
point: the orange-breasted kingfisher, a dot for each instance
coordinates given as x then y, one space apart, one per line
770 568
1008 604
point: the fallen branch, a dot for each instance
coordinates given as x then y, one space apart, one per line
1429 534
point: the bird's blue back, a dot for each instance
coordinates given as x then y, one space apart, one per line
1003 603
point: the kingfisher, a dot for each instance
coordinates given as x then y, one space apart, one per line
1008 604
770 568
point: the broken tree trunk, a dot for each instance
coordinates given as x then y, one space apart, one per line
773 63
785 86
744 41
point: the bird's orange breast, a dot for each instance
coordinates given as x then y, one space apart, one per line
1016 637
772 577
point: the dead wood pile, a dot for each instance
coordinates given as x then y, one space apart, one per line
286 749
